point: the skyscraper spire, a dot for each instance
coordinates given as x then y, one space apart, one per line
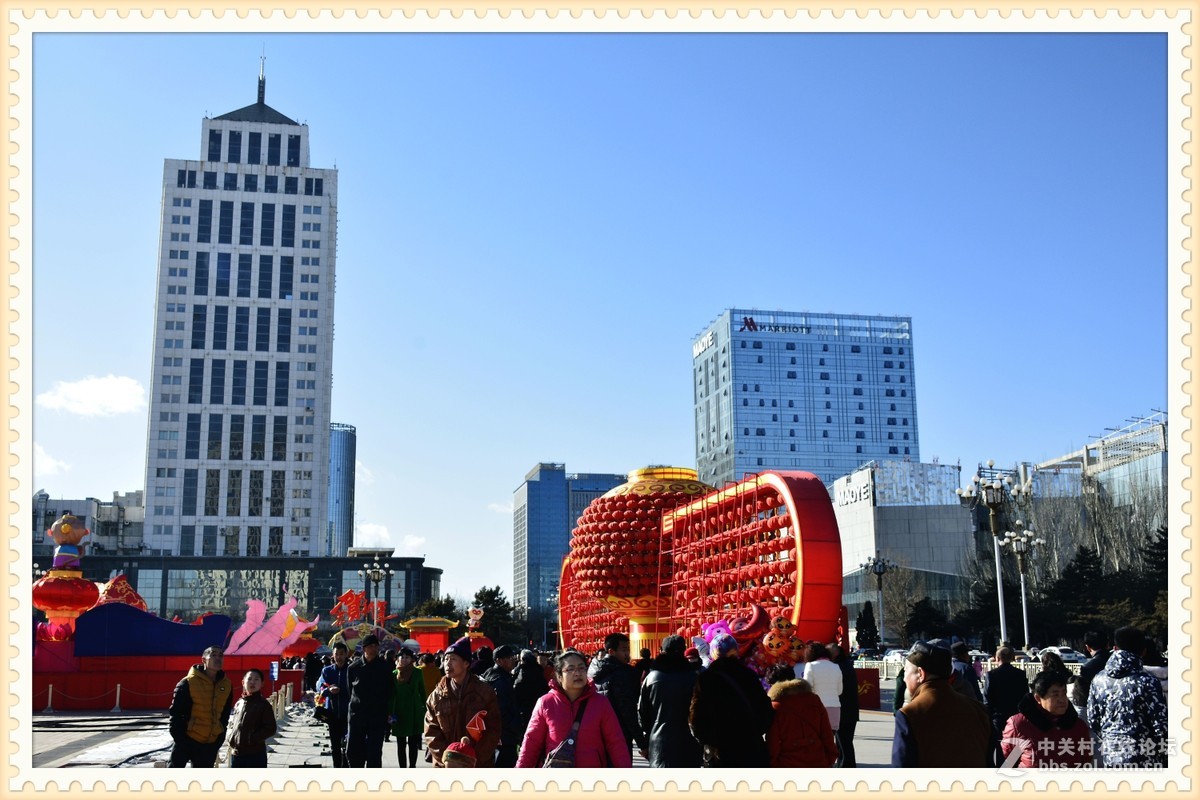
262 79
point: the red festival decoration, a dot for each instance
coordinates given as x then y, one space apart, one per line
670 556
617 552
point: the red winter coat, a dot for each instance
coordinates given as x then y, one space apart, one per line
1064 741
600 742
800 735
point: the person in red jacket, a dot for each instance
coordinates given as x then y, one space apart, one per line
599 742
800 735
1046 731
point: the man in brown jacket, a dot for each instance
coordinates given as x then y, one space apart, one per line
939 727
454 702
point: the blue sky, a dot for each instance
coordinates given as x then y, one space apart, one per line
534 228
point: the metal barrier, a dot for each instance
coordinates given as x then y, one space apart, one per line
888 670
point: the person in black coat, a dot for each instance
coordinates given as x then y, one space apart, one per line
1006 686
500 678
666 698
529 684
730 713
849 702
619 682
371 685
1096 645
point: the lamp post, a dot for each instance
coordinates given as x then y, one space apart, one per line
551 602
1022 542
991 494
375 573
878 566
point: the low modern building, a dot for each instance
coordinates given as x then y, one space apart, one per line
907 513
188 586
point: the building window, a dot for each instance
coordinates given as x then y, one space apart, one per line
293 150
291 185
758 345
791 374
887 364
273 142
891 420
760 431
824 376
230 182
254 148
760 360
824 434
855 348
235 147
214 145
858 392
893 450
828 419
860 435
210 180
858 448
271 184
860 420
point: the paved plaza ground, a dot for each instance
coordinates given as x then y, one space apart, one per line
65 740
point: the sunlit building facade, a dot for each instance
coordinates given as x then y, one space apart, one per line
243 343
823 393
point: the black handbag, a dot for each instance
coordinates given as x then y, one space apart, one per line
564 755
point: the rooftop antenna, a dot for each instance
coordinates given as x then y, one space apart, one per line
262 77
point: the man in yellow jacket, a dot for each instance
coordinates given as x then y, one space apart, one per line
200 712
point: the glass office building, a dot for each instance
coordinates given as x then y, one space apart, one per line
343 442
821 393
545 508
243 344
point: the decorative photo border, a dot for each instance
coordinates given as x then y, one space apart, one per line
26 20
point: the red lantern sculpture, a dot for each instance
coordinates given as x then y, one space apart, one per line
668 554
63 593
617 549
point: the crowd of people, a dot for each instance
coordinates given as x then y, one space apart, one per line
517 708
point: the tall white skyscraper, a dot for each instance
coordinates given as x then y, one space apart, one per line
238 448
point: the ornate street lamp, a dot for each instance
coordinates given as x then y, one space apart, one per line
991 494
375 573
1022 542
878 566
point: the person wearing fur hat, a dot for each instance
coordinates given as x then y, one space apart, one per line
730 712
939 727
666 697
459 699
800 734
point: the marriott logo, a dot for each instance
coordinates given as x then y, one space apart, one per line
748 324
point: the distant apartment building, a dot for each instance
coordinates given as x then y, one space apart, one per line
545 508
822 393
343 443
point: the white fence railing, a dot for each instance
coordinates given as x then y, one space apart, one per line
888 670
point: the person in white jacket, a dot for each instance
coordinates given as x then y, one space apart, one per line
825 678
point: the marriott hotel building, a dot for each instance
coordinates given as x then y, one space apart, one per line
822 393
239 431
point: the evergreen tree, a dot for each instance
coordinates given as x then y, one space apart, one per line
437 607
498 623
925 620
866 631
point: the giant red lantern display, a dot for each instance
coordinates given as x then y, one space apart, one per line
63 593
617 554
668 554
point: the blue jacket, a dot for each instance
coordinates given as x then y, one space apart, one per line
338 704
